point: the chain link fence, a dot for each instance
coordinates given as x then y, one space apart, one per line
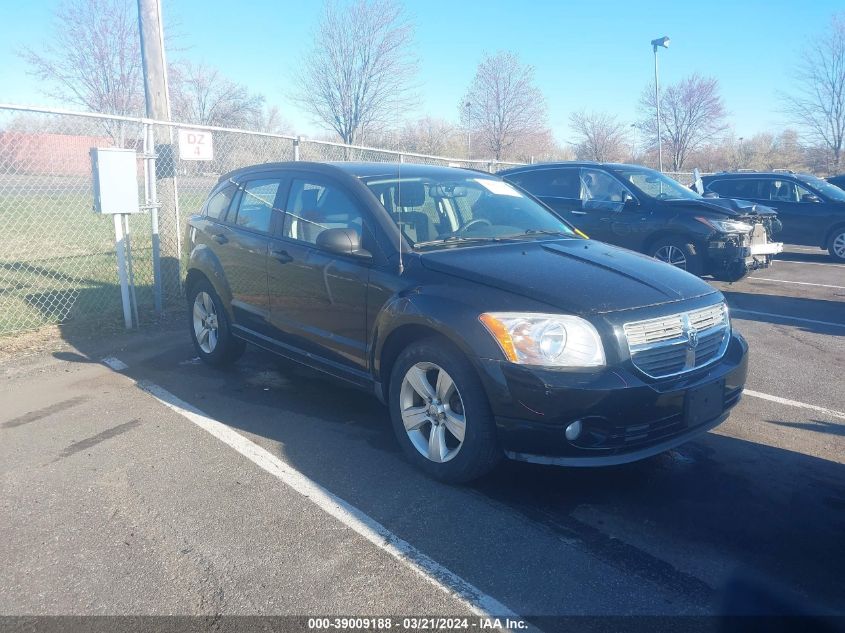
58 259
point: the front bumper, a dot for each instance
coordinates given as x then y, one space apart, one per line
625 415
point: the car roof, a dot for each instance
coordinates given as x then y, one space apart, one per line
361 169
566 163
756 174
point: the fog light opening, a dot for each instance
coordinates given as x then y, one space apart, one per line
573 431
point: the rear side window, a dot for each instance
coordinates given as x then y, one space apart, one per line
315 206
553 183
218 204
255 210
738 188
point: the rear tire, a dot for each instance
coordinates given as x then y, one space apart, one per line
836 245
678 252
441 414
209 325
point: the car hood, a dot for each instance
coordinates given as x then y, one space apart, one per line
574 275
728 207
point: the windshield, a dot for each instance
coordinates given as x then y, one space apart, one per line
435 210
825 188
656 185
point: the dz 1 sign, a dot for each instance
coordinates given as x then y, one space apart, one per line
195 145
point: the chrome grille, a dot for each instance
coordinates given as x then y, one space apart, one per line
680 342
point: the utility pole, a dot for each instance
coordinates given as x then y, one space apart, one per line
166 255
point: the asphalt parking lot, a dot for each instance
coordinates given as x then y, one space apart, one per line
156 485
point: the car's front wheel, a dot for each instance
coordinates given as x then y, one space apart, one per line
440 413
837 244
679 252
209 326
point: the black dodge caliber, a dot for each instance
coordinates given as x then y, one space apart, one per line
483 320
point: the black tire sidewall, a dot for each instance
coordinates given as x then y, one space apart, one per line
479 452
694 259
228 348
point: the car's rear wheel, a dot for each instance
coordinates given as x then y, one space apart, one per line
836 247
440 413
679 252
209 326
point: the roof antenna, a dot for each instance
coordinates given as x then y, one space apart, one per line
399 194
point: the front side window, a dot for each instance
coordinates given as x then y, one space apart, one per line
314 206
218 204
438 209
653 184
598 186
255 210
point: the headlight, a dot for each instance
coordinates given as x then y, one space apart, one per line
727 226
550 340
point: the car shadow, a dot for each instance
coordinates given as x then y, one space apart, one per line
773 512
822 257
777 309
817 426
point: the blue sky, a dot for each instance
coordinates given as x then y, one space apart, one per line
587 54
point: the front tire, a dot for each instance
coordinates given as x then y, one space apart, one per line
836 246
678 252
440 413
209 325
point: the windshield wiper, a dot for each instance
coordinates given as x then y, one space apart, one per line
459 238
529 232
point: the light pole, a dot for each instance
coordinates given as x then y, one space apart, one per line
741 159
664 42
468 106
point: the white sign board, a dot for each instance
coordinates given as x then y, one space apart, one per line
195 145
115 180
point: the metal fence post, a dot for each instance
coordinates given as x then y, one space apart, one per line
152 201
296 143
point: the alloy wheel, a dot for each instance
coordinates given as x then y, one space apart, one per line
432 412
672 255
839 245
205 322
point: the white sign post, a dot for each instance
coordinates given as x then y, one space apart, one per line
195 145
115 173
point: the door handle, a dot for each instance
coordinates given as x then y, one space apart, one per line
220 238
579 213
281 256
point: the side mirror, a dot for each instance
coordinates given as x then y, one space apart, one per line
710 194
629 202
342 242
810 197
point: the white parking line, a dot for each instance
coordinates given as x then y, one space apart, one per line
447 581
831 265
115 363
739 312
800 283
795 403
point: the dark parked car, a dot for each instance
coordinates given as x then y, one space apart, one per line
811 209
484 322
839 180
646 211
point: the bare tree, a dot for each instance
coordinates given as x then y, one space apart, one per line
430 136
359 73
691 115
817 103
93 57
200 94
600 136
505 104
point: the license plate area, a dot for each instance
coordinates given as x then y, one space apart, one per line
702 404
